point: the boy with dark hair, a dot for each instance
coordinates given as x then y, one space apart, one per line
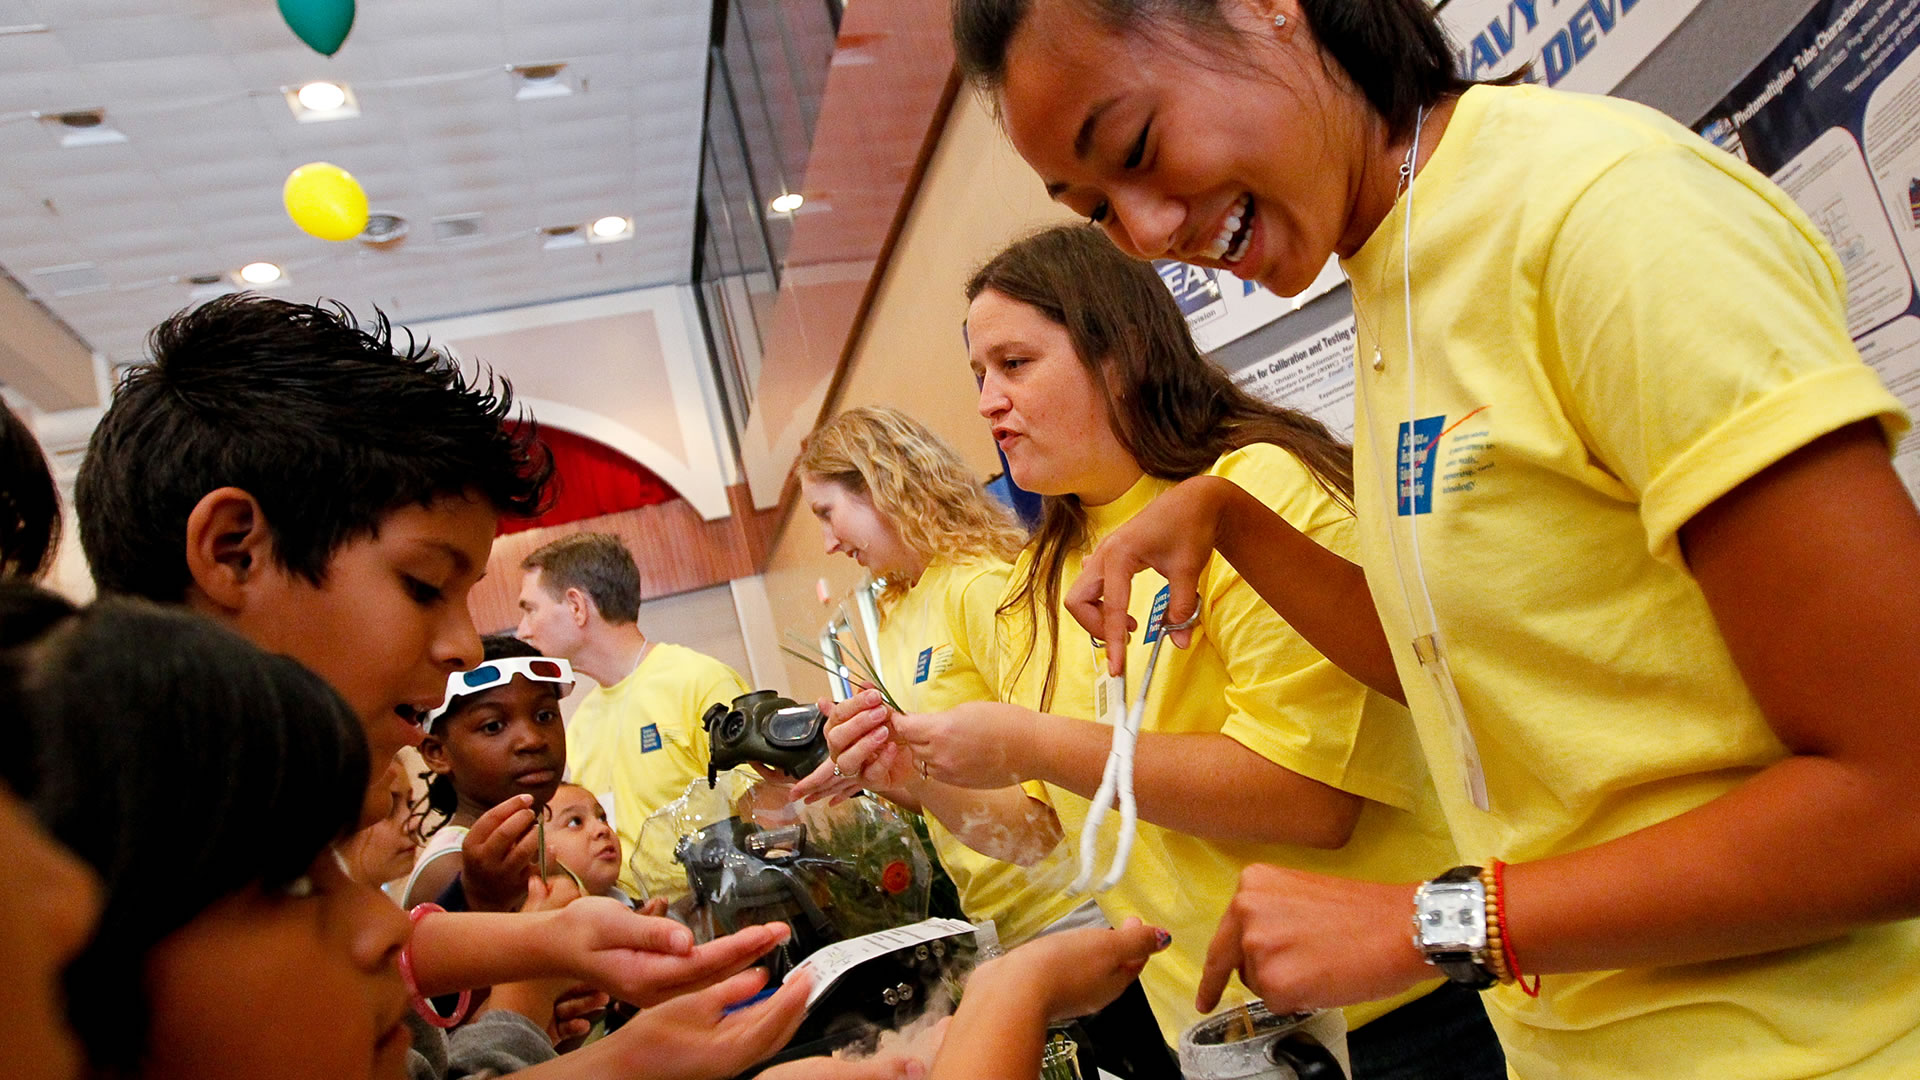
334 499
635 741
337 497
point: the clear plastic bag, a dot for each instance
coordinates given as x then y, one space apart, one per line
744 853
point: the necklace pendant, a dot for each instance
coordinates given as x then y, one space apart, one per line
1379 362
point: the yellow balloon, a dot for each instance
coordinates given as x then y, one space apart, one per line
325 201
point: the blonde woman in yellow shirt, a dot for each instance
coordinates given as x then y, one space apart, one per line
1254 748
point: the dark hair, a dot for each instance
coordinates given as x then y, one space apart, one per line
182 764
1174 411
442 798
29 502
1395 52
597 564
327 424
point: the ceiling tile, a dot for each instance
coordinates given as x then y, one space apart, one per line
107 40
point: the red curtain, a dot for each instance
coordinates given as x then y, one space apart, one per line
591 479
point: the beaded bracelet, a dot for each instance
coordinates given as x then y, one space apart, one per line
420 1004
1510 957
1496 939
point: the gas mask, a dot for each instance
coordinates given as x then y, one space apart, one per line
766 728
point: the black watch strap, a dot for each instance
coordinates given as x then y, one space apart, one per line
1463 969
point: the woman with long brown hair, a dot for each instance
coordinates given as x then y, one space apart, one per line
1254 748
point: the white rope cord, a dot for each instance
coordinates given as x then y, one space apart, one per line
1116 782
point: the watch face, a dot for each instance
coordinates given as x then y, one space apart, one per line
1453 915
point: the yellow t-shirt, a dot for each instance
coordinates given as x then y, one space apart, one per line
638 743
1247 675
939 647
1617 324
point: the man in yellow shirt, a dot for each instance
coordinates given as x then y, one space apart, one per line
636 740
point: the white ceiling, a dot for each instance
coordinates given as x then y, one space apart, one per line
195 85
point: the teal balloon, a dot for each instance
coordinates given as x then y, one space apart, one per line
322 24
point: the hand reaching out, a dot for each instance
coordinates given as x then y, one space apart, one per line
646 960
1076 972
694 1037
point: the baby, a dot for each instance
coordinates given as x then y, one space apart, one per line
580 840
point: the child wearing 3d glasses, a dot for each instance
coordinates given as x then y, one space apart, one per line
496 748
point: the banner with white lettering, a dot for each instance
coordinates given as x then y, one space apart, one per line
1833 116
1588 46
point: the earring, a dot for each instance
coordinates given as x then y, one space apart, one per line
1279 21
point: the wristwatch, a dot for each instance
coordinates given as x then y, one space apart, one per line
1450 926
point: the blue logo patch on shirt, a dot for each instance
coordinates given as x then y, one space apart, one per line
923 666
649 738
1414 477
1160 602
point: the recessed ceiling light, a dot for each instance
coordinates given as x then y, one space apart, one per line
557 237
384 229
787 202
532 81
610 230
82 127
316 102
322 96
260 273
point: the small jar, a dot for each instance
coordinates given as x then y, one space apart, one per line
1247 1042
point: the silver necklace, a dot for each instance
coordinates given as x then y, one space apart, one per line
1406 182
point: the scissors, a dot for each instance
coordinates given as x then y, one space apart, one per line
1117 781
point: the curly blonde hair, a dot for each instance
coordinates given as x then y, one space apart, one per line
918 484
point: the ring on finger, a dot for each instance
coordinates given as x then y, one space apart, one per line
836 769
923 770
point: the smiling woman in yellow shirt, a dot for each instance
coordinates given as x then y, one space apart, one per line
1254 748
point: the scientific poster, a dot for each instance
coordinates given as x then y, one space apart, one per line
1833 116
1314 375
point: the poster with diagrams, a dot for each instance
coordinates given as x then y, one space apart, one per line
1833 116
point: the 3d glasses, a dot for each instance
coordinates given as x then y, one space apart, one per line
497 673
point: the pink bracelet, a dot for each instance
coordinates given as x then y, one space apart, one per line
420 1004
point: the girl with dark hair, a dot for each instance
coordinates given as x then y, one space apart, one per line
1627 522
207 784
495 750
1101 402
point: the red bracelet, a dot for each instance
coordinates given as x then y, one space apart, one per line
1506 935
420 1004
